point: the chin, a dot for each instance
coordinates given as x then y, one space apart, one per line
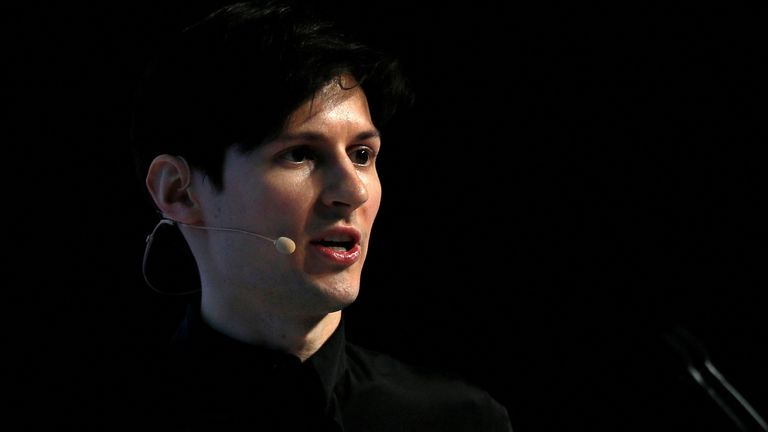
339 294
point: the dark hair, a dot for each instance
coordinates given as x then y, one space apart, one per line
236 76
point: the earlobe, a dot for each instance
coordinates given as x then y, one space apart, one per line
168 181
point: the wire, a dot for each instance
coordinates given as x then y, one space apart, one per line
149 240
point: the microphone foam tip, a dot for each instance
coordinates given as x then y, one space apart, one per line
285 246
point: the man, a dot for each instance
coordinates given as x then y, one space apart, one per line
257 131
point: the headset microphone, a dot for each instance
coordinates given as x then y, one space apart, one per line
284 245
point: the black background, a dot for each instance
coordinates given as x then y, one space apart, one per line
573 181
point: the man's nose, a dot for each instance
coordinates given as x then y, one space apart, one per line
344 188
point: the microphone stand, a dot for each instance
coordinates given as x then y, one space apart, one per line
704 372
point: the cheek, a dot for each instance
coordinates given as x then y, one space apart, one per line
287 198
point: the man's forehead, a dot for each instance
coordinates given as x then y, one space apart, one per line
330 96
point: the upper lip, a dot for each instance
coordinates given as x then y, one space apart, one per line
342 234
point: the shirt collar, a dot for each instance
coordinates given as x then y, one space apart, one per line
330 361
195 337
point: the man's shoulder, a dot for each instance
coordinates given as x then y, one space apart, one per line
409 388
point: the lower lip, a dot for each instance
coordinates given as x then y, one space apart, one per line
343 258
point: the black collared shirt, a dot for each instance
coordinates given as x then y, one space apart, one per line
213 382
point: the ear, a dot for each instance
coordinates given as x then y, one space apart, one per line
168 181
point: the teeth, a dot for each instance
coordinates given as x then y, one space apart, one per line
339 238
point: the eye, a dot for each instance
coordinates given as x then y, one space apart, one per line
361 156
297 155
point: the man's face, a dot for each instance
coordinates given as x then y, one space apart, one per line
317 184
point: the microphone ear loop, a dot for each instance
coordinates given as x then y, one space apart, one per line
149 240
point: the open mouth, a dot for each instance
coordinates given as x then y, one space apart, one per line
339 246
336 245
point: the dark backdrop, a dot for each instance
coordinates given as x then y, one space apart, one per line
572 183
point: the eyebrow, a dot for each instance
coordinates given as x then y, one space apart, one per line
318 137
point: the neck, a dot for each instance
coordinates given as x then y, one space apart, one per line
300 335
